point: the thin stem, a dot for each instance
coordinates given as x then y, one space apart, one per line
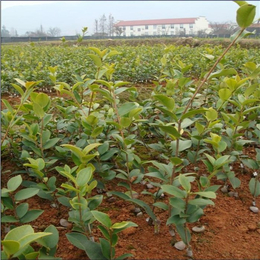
211 70
124 145
41 140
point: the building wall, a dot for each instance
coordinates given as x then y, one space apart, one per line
201 23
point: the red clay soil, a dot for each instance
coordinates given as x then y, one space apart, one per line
232 230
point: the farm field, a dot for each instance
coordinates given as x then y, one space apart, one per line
113 152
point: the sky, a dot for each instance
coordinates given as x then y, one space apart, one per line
71 16
6 4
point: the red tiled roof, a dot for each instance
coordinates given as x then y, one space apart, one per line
157 22
255 25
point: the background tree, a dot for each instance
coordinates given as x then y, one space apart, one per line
111 22
13 33
222 28
96 27
5 32
202 33
118 30
103 25
55 31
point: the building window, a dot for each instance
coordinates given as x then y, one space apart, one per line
132 34
131 27
172 26
124 28
191 25
181 25
155 27
139 29
172 32
146 27
146 33
154 33
163 26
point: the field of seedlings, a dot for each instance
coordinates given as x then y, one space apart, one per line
140 152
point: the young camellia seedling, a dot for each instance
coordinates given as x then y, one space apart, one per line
16 244
187 206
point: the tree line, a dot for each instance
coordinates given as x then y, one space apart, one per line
40 32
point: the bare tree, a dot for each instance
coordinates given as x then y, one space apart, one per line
111 22
13 33
222 28
103 25
54 31
118 30
96 27
5 32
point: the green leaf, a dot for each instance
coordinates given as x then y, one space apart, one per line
124 256
245 15
176 160
244 34
105 247
104 232
18 232
184 233
14 183
172 190
52 240
31 215
204 181
42 100
92 249
96 60
235 182
176 220
102 218
224 94
8 219
22 209
183 145
125 122
18 89
184 181
114 240
206 194
193 112
201 202
26 193
166 101
170 130
38 110
7 105
120 225
161 205
250 163
178 203
28 238
50 143
77 151
84 176
97 131
254 187
126 108
10 247
90 147
211 114
224 72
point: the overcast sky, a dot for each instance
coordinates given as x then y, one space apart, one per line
71 16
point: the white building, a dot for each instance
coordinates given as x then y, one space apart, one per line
178 26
